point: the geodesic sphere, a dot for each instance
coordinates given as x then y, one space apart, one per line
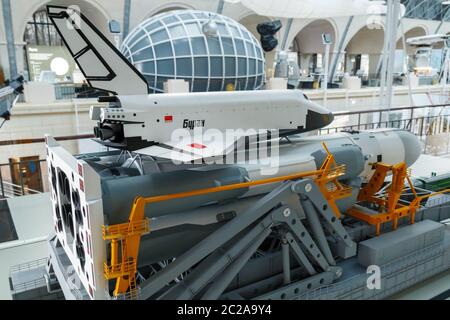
173 45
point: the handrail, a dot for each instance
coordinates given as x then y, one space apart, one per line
42 140
349 113
29 265
12 185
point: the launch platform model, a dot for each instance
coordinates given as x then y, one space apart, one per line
155 218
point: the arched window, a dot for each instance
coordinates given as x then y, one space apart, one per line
40 31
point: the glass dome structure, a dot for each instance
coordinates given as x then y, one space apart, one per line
172 45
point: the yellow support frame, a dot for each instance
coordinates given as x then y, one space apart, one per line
128 235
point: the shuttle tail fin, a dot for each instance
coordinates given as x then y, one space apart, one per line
103 66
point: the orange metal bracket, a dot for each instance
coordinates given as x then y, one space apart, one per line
390 208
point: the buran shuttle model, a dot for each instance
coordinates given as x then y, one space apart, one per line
145 123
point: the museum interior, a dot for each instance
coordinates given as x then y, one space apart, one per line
115 177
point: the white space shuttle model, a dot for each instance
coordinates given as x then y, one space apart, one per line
145 124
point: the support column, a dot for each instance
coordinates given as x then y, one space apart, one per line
286 34
126 18
220 7
7 18
392 47
339 51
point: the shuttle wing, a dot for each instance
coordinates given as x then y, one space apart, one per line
103 66
206 146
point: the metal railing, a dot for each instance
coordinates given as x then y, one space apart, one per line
27 266
425 122
31 284
11 190
14 187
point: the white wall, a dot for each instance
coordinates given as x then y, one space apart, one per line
309 38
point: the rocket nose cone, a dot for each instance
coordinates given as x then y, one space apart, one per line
411 145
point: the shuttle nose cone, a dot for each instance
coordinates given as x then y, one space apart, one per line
329 118
411 145
316 120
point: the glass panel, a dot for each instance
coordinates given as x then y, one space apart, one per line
153 26
228 47
201 67
147 67
251 67
250 49
215 85
159 36
240 85
135 35
216 66
184 67
222 29
163 50
177 31
200 85
198 46
242 66
165 67
214 46
150 81
144 54
193 29
144 42
200 15
245 34
186 16
230 67
160 83
240 50
260 67
251 83
182 47
170 19
258 82
258 52
235 31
